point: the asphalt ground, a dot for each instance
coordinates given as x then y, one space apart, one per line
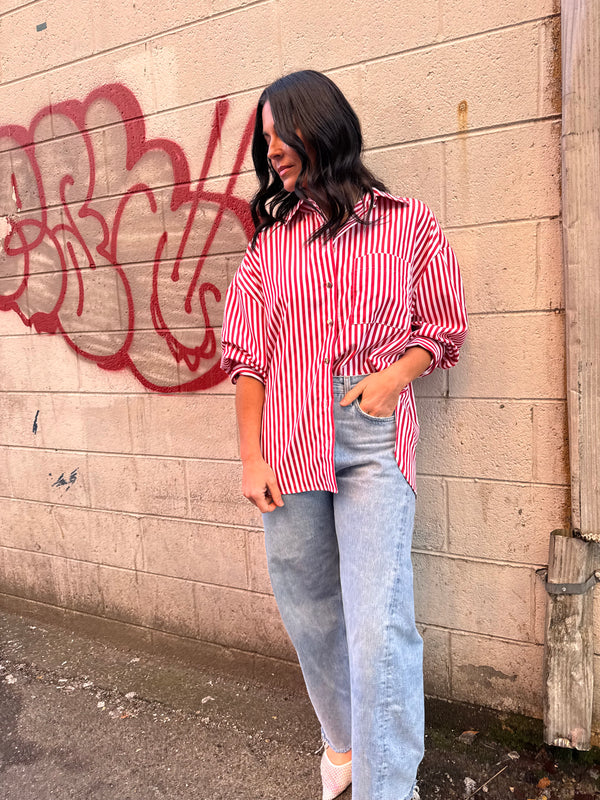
83 718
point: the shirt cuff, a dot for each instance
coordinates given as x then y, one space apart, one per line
435 349
243 370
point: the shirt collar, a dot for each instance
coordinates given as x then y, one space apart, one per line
306 204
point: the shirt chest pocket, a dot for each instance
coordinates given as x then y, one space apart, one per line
380 291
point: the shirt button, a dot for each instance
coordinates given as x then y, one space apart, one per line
329 284
330 322
326 360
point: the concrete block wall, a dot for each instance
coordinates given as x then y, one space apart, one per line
124 181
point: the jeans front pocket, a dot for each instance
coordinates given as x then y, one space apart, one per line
364 414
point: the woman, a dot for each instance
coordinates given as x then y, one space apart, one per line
345 296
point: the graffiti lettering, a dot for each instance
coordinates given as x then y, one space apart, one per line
65 481
110 243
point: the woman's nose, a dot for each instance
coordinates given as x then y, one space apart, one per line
274 147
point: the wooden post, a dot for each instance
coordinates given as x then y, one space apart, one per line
569 652
580 21
569 641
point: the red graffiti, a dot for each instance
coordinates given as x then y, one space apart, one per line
112 246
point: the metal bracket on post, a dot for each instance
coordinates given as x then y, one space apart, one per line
568 588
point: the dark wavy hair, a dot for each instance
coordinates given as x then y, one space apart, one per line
311 113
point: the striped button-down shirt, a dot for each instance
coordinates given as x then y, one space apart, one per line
298 313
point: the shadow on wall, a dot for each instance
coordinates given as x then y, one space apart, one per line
106 241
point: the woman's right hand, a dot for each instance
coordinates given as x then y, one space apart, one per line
260 486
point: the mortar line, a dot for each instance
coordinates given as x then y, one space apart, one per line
141 515
454 398
494 562
429 46
159 631
194 581
489 637
487 479
136 42
450 136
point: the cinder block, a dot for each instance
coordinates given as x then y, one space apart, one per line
33 575
505 521
138 484
9 5
117 23
549 274
431 514
49 476
327 38
191 127
433 385
82 534
17 418
436 661
463 17
221 6
258 573
215 489
134 68
493 672
550 88
172 294
476 438
443 90
150 357
193 425
31 363
82 586
195 552
154 601
213 220
67 155
11 325
5 487
244 620
510 266
480 189
474 596
412 171
65 422
66 37
550 443
528 357
238 51
93 379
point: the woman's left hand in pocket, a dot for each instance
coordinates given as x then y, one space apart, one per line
379 394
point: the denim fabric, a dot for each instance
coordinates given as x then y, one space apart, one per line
341 572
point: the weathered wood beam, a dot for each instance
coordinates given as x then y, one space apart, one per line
569 644
580 25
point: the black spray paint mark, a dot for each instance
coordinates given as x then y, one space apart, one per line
62 481
35 424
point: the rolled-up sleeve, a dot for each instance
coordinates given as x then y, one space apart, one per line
439 315
243 337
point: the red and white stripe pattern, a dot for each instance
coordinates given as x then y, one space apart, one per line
298 313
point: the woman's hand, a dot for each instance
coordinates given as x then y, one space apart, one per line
259 485
379 392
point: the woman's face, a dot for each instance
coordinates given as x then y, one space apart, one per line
284 159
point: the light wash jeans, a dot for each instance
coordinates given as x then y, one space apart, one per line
341 572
